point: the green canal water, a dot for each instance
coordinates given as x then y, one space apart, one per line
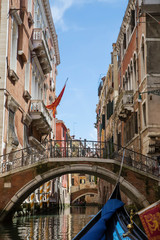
60 225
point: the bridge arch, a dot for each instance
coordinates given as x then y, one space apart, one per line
82 192
98 171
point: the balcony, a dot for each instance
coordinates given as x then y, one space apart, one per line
41 118
126 105
149 5
41 50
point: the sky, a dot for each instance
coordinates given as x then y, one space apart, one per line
86 30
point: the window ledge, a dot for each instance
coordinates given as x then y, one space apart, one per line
13 12
13 75
12 104
26 119
30 18
26 95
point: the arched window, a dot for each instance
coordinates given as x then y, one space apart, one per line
129 79
27 72
45 94
142 59
30 6
33 82
131 76
14 42
135 71
126 81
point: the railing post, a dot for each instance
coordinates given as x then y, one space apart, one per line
22 160
51 148
85 147
71 147
105 150
66 147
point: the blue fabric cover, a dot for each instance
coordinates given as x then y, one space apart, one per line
97 232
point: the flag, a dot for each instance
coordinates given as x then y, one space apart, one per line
54 105
150 218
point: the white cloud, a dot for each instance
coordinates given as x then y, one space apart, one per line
59 8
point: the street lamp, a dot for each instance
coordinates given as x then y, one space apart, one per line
155 92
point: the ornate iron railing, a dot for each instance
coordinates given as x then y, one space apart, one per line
81 149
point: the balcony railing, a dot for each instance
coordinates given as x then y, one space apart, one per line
126 105
41 49
40 116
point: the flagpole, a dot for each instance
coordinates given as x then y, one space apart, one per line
66 81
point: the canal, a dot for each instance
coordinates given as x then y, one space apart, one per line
61 225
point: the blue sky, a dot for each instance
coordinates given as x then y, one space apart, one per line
86 30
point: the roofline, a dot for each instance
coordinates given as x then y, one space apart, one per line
52 29
124 22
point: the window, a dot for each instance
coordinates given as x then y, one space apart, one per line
109 109
72 181
124 41
12 137
134 71
27 73
30 6
82 181
119 140
131 128
132 22
14 42
131 76
144 114
33 88
103 121
129 80
119 59
126 81
136 122
45 95
142 60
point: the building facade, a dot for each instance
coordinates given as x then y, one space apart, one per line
62 135
29 56
84 181
129 111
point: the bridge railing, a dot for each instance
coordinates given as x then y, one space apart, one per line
20 158
78 148
105 150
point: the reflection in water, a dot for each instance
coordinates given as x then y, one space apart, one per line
61 226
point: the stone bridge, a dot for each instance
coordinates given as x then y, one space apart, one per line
82 192
25 170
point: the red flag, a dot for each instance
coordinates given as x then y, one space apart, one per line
150 218
54 105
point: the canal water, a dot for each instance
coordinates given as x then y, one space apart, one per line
63 225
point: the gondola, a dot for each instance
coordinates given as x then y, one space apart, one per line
112 222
